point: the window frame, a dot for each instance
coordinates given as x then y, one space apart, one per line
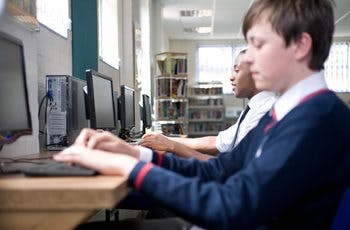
235 48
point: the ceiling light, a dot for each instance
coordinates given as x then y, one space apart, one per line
199 30
196 13
204 30
190 30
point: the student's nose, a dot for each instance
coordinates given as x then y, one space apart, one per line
233 76
248 57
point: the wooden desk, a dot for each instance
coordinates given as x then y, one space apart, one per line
56 203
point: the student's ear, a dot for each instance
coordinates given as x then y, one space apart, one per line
303 46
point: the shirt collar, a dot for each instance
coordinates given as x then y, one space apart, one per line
255 101
292 97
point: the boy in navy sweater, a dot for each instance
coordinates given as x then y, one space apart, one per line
290 171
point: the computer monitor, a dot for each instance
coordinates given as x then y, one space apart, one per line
77 119
15 119
146 113
100 101
116 109
126 111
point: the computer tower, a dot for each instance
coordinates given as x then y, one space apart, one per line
65 111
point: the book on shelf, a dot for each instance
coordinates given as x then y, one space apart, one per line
168 109
177 86
175 66
206 91
210 114
163 87
201 128
181 66
192 101
169 129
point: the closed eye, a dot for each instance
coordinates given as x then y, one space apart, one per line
255 43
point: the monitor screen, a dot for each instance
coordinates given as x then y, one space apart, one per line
126 108
15 119
100 100
146 112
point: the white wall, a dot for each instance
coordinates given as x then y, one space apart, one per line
111 72
25 144
145 62
127 61
159 38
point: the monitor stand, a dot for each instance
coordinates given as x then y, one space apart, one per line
124 134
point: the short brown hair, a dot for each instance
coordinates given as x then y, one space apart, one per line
291 18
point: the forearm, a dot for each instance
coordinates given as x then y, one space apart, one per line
205 145
207 170
191 197
182 150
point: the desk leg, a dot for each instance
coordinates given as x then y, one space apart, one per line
43 220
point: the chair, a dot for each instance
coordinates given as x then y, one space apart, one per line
342 217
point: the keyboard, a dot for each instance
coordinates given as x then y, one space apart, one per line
55 169
134 141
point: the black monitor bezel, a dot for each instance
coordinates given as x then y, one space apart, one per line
122 107
145 116
9 136
91 101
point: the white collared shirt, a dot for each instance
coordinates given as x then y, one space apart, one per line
259 105
292 97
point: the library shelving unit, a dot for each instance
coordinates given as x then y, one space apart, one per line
170 84
206 109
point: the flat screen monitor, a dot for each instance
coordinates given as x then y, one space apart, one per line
146 112
100 101
15 119
116 109
78 119
126 108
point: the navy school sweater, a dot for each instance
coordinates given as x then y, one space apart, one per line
296 182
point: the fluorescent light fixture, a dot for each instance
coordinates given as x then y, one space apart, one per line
204 30
199 30
196 13
205 13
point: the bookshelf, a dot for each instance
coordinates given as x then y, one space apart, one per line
206 109
170 98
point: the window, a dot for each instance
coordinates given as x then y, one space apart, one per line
54 15
214 63
337 72
108 32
